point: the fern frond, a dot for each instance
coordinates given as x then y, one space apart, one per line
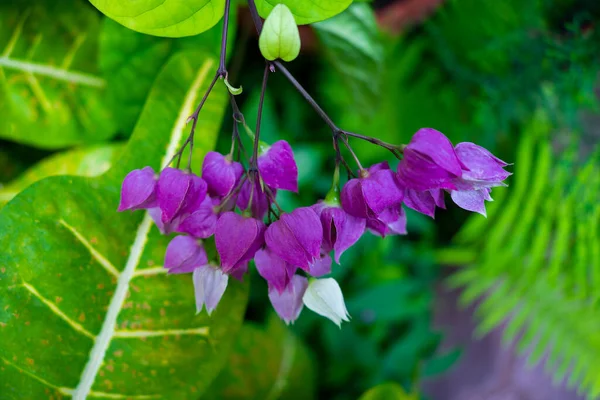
537 260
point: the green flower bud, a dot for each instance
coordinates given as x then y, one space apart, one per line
280 37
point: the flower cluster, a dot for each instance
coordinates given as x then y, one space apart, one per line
289 248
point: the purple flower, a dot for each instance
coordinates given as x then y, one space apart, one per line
184 254
482 171
220 173
429 162
374 191
322 266
391 221
237 239
179 193
296 237
340 229
239 270
424 201
276 271
260 201
209 286
278 168
138 190
288 304
202 222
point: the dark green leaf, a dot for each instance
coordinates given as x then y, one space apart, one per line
266 364
50 90
131 61
86 308
352 44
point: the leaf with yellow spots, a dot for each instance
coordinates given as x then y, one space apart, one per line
85 311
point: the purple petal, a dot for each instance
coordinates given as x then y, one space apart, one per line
209 286
321 266
392 193
236 237
353 199
184 254
421 201
483 165
220 173
260 202
390 222
272 268
278 168
471 200
138 190
296 237
288 304
378 167
340 230
438 198
194 197
435 145
172 189
239 270
201 223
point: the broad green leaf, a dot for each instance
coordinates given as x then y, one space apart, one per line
86 308
170 18
130 61
305 11
50 90
387 391
88 161
265 363
280 37
353 46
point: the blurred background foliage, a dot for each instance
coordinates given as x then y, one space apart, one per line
519 77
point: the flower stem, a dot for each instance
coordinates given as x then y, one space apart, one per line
254 160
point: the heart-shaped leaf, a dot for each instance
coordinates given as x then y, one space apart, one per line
87 161
305 11
171 18
50 89
86 309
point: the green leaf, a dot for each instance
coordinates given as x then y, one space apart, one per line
387 391
88 161
170 18
131 61
353 46
280 37
266 364
50 90
305 11
86 308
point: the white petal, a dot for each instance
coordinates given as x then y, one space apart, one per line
199 287
209 285
325 297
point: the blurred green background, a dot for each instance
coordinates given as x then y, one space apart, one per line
518 77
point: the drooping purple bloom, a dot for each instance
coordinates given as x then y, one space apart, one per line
184 254
278 168
322 266
138 190
391 221
429 162
237 239
288 304
482 172
209 286
239 271
424 201
340 229
374 191
202 222
220 173
296 237
179 193
260 201
276 271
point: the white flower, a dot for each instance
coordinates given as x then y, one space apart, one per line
209 285
325 297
